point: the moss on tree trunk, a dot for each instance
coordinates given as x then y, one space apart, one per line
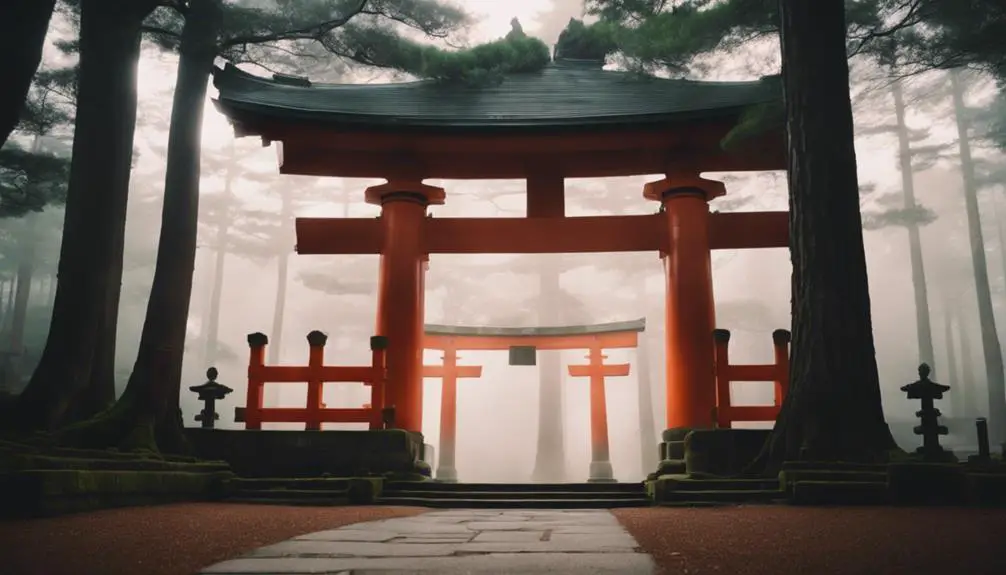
833 409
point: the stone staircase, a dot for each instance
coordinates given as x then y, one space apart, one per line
684 491
515 495
336 491
290 491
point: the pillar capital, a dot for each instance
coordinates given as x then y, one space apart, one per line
407 190
682 183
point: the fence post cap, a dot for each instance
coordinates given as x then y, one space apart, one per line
258 339
317 339
378 342
721 335
781 336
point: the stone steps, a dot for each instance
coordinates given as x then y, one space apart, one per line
531 501
516 495
839 493
685 491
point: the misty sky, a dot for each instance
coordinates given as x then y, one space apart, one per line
498 414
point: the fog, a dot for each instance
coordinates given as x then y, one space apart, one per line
498 413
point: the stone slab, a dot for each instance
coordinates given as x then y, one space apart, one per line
456 541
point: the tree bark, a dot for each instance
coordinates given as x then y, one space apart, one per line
923 327
833 409
23 26
95 215
279 305
147 415
994 377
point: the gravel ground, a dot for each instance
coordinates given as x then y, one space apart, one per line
779 540
163 540
746 540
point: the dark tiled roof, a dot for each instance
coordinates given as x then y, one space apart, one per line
482 331
563 94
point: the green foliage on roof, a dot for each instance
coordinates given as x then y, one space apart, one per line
485 64
579 41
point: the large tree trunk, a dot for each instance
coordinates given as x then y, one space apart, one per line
833 410
90 254
23 26
550 457
923 327
994 376
147 415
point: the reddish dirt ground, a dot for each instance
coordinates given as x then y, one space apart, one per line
162 540
774 540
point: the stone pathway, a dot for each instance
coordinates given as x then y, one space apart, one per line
457 541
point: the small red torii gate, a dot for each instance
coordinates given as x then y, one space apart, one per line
595 338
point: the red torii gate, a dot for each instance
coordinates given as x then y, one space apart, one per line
595 338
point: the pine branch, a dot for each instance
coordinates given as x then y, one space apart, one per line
313 32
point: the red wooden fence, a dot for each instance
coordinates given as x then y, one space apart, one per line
316 374
777 372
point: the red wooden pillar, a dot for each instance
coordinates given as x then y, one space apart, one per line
256 361
315 385
690 313
449 373
400 295
596 370
780 342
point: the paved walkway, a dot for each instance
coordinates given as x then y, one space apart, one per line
457 541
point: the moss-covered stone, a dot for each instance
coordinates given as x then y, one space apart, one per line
927 484
364 490
34 492
987 489
838 493
722 452
312 453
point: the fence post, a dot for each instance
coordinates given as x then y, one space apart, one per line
721 354
315 361
256 361
780 342
378 345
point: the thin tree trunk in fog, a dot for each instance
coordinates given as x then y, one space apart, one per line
90 261
923 327
995 378
1000 237
833 363
282 275
220 243
25 272
550 458
9 306
3 308
969 384
52 290
647 428
956 400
